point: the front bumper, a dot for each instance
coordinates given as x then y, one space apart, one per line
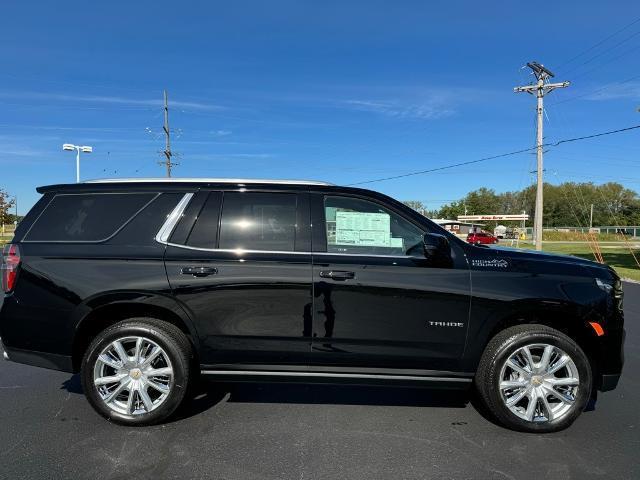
609 382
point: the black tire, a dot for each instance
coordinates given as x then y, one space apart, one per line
170 339
500 348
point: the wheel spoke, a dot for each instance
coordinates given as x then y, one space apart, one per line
152 356
159 372
533 403
560 396
109 379
564 359
138 350
107 360
528 358
505 384
546 356
158 386
131 399
146 399
117 346
516 397
123 384
563 382
547 407
513 365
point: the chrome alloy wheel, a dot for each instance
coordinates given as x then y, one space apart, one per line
539 382
133 375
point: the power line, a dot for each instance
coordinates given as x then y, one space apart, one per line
596 45
610 60
575 97
493 157
597 55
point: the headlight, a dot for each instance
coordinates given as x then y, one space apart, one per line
607 287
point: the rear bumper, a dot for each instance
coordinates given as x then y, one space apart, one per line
39 359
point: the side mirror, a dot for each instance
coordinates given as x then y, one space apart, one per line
437 249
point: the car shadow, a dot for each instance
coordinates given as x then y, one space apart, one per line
206 395
210 394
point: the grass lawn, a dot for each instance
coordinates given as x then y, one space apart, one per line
615 254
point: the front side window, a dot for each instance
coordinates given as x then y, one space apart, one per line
363 227
258 221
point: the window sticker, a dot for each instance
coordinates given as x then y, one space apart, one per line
364 229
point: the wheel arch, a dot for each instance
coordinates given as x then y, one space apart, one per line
103 314
566 321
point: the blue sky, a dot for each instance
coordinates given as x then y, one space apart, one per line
343 91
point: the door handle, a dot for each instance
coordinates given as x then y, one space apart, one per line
337 274
199 271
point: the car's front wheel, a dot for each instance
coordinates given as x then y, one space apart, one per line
534 378
136 372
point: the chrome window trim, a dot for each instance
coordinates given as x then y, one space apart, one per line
240 251
172 219
336 375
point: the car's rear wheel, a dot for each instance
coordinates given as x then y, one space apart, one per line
534 378
136 372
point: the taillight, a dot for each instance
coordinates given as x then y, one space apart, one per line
10 264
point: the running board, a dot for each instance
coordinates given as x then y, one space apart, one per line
370 376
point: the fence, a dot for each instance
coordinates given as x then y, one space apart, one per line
628 230
6 232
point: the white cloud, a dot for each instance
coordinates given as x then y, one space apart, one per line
403 109
629 91
60 97
222 156
221 133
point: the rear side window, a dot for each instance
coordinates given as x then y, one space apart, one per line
258 221
90 217
205 231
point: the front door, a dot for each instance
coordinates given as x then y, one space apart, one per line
378 304
239 263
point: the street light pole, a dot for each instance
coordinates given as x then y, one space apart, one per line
78 149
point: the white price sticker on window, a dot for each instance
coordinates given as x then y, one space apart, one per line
363 229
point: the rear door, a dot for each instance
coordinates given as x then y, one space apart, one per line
240 264
377 302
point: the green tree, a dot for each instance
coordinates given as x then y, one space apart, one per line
5 206
567 204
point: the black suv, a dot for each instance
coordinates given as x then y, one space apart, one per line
140 285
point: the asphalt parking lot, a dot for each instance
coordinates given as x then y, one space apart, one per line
48 430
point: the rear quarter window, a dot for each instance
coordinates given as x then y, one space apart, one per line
90 217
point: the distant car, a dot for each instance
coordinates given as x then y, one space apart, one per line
478 238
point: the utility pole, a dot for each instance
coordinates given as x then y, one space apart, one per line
165 127
539 89
591 218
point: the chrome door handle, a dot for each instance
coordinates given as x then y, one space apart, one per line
199 271
337 274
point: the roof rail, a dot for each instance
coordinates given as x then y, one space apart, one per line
208 180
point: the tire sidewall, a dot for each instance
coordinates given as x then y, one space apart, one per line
581 361
179 363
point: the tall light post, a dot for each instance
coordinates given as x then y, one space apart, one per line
78 149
